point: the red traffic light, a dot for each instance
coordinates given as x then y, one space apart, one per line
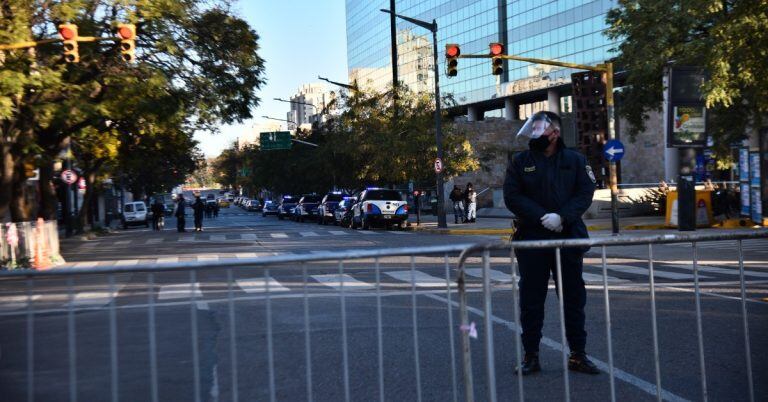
126 31
452 50
66 32
497 49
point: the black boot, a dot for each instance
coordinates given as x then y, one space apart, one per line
578 361
530 364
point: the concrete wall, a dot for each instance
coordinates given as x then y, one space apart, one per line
643 160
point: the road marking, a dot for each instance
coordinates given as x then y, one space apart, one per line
126 263
369 232
279 235
180 291
207 258
641 384
397 232
420 279
308 234
644 272
717 270
86 264
335 281
338 232
595 278
746 245
166 260
258 285
122 242
15 302
320 251
248 236
497 276
154 240
217 238
95 298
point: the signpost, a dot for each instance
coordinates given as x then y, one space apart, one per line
613 151
438 165
275 140
68 176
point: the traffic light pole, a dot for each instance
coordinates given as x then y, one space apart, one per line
607 71
441 223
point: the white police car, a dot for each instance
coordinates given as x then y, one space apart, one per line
380 206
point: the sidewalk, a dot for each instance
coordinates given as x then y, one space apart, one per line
498 225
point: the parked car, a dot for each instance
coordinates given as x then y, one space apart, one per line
343 212
252 206
380 206
244 202
287 204
306 208
329 204
223 203
270 208
134 213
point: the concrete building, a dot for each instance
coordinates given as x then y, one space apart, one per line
251 137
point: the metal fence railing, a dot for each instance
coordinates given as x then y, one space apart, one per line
354 325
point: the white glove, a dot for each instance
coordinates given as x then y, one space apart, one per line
553 222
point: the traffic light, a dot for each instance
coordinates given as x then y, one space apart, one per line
497 63
591 120
68 32
127 35
452 53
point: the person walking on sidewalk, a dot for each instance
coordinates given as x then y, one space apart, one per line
548 188
199 208
470 198
179 214
457 198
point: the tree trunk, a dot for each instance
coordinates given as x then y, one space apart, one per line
48 199
6 180
21 207
85 209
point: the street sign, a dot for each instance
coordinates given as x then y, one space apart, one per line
275 140
81 183
613 150
438 165
68 176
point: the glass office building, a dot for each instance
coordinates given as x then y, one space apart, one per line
566 30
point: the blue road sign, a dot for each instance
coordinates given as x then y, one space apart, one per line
613 150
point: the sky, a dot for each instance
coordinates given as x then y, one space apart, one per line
299 40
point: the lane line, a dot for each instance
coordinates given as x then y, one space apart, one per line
420 279
334 281
258 285
180 291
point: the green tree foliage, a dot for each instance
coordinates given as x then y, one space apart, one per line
728 38
197 68
371 142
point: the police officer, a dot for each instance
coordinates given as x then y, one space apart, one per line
548 188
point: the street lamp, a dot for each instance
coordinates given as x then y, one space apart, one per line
352 87
274 118
432 27
293 101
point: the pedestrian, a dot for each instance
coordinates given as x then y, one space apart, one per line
216 210
457 197
548 188
179 214
199 208
157 214
417 206
470 198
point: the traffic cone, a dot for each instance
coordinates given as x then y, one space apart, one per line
42 261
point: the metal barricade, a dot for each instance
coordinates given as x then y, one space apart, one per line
557 245
365 324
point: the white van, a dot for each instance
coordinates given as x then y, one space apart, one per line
134 213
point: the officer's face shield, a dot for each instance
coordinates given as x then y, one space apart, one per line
536 126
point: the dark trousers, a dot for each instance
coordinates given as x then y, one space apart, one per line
155 222
180 223
535 268
198 221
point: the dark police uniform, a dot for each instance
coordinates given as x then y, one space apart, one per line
534 186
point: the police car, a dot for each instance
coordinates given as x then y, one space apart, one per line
380 206
327 208
306 208
287 204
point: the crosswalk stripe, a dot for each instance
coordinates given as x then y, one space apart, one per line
335 281
15 302
420 279
308 234
319 251
497 276
180 291
369 232
207 258
656 273
717 270
166 260
95 298
126 263
86 264
398 232
217 238
248 236
338 232
595 278
258 285
154 240
279 235
122 242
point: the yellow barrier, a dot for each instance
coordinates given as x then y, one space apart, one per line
703 208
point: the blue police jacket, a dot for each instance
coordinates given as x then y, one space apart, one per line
536 185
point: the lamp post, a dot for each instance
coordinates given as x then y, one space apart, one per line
352 87
432 27
274 118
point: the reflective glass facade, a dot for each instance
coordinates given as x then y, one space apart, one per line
567 30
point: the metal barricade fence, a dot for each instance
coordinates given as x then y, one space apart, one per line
148 332
558 245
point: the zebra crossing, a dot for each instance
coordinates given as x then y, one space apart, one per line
754 245
357 280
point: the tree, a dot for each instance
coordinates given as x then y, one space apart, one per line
728 38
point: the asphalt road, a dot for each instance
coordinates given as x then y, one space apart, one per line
168 336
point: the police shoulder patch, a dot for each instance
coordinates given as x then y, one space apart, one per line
530 168
591 174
